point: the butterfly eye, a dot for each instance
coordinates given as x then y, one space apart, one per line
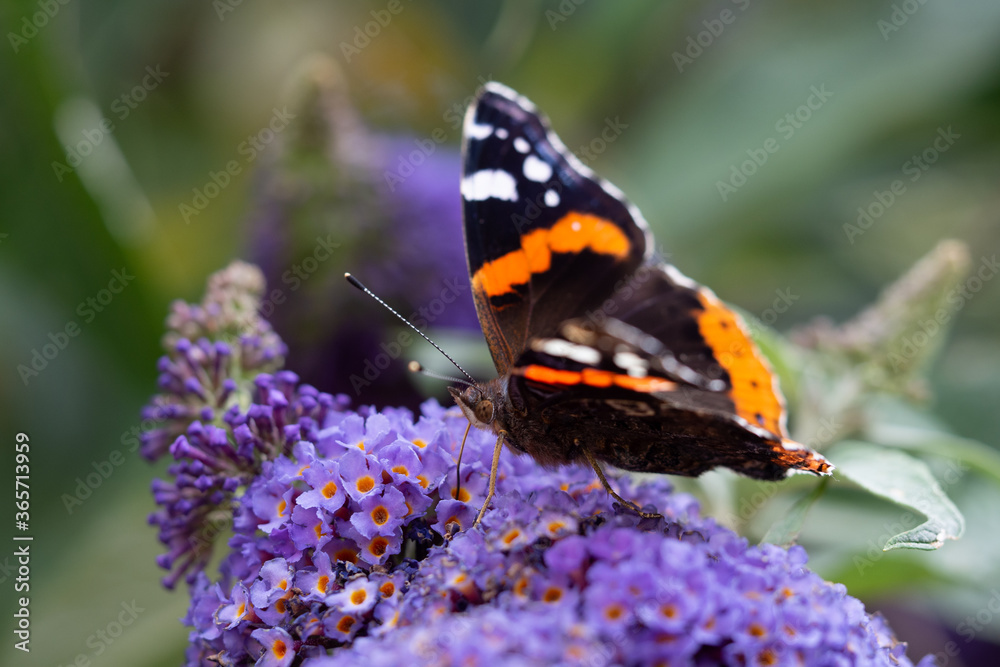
484 411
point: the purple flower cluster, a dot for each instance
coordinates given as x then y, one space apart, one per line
209 346
351 544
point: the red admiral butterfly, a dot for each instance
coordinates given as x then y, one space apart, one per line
605 353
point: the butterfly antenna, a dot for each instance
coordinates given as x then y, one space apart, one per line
415 367
357 283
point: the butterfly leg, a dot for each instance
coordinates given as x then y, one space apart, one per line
607 487
493 477
458 465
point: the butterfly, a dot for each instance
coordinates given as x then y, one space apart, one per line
605 353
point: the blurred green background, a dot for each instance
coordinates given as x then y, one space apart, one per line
693 86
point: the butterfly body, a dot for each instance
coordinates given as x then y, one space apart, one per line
604 351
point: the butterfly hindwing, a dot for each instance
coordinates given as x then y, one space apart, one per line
705 341
638 408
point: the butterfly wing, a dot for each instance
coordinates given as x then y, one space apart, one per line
545 238
604 342
681 398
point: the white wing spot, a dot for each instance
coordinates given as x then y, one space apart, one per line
521 145
489 183
501 132
558 347
631 363
576 226
551 198
536 169
476 131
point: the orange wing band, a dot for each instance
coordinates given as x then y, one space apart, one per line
754 392
572 233
593 377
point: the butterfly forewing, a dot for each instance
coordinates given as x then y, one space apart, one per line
545 239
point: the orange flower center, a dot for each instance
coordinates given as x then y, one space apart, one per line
378 546
366 484
552 594
511 536
614 612
346 555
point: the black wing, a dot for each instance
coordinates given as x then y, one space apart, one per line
546 240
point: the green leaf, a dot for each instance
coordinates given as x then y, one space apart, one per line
897 424
786 530
906 481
